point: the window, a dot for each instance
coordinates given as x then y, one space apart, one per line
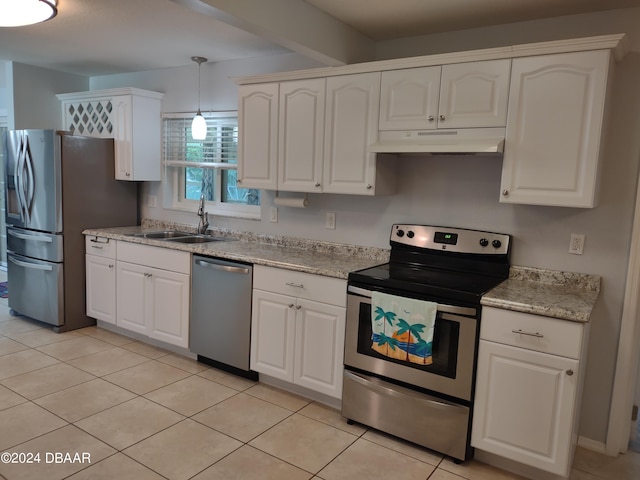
206 167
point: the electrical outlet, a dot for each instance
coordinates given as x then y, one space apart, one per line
330 222
273 214
576 244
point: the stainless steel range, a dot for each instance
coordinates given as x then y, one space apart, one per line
412 334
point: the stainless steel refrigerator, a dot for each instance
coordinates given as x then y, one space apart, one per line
57 185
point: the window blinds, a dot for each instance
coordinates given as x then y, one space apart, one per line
218 150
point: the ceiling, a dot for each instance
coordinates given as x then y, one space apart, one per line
101 37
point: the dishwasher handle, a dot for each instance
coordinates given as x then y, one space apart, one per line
225 268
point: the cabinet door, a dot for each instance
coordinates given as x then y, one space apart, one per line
524 406
409 99
101 288
300 136
134 297
351 125
319 347
552 145
474 94
258 136
123 133
170 307
272 334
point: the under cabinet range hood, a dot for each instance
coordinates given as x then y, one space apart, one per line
466 141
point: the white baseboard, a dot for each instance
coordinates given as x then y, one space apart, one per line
589 444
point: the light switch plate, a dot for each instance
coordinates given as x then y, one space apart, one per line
330 222
576 244
273 214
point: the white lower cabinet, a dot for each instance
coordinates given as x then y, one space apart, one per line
297 331
101 279
139 288
528 388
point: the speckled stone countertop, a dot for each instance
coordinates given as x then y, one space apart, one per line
320 258
568 296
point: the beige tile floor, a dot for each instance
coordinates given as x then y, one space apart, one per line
144 413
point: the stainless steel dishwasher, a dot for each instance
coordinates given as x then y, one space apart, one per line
220 328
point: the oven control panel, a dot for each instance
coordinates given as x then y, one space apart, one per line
458 240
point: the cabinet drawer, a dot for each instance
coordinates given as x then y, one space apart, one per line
157 257
542 334
100 246
302 285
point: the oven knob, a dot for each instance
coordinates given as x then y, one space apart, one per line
410 234
496 244
484 242
400 233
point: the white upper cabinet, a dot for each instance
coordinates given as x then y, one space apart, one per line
301 134
409 99
554 129
132 117
351 125
459 95
258 144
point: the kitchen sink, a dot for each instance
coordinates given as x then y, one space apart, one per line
196 239
163 234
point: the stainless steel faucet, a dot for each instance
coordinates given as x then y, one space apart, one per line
203 223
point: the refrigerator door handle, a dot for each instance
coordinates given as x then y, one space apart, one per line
17 174
30 183
35 238
34 266
26 178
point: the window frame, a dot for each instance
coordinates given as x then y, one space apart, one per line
175 176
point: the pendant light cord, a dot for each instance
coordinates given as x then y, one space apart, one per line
199 61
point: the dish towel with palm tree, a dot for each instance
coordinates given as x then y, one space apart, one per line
402 327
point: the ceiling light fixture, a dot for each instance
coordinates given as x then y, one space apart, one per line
199 124
17 13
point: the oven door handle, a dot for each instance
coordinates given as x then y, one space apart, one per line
441 306
371 384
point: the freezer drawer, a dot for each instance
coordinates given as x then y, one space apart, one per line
44 246
36 288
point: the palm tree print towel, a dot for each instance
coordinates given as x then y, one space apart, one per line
402 327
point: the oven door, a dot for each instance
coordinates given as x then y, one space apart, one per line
453 353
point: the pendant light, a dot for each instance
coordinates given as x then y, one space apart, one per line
199 124
16 13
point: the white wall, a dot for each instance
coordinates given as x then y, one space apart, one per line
33 93
463 191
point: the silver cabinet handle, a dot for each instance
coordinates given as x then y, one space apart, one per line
291 305
298 307
99 240
569 372
442 117
111 266
148 275
317 184
530 334
35 238
296 285
96 246
431 118
369 187
505 192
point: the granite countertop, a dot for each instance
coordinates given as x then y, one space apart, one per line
568 296
320 258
